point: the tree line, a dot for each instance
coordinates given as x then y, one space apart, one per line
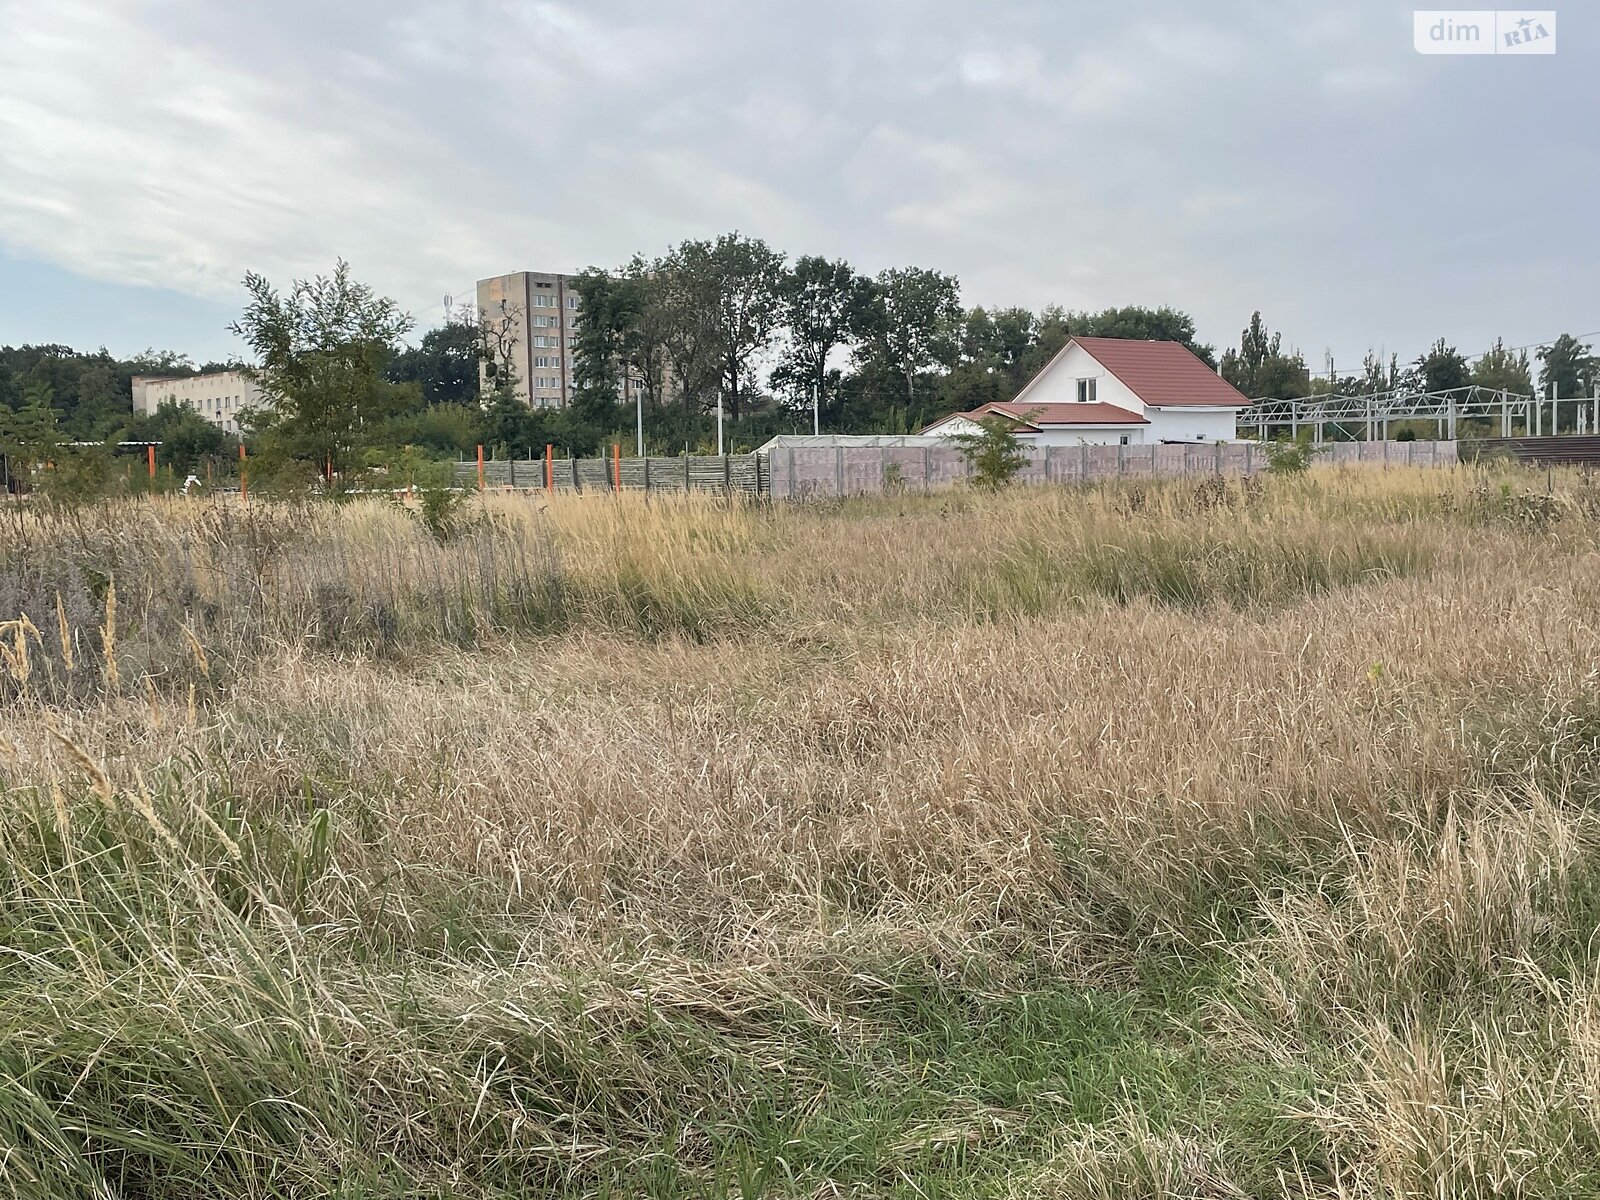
726 321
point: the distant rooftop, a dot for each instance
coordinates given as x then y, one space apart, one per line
846 441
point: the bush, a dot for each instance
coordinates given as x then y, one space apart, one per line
1292 456
994 453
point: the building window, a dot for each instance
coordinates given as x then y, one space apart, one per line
1086 391
1124 440
572 302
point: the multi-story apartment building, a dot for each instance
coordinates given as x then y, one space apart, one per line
534 315
218 397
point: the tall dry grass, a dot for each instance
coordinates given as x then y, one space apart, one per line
1170 841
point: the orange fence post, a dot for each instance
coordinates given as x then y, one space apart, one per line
480 466
549 468
244 476
616 467
150 458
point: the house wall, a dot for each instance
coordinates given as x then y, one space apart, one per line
1090 435
1057 435
1193 424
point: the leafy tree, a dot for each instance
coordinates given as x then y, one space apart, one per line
1162 324
1505 370
1260 367
738 279
321 351
911 324
28 436
691 341
441 429
643 341
1442 368
993 452
444 364
186 437
1569 366
820 304
610 308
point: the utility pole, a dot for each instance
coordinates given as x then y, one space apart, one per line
816 409
638 401
719 424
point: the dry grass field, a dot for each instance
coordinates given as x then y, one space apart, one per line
1182 840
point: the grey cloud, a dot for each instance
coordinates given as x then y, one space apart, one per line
1298 157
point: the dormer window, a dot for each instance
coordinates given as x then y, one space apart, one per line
1086 391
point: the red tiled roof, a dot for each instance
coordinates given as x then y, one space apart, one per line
1033 416
1162 374
1064 414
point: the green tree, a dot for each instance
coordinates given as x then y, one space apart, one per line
910 325
1443 368
691 338
1567 365
1162 324
994 453
1260 367
186 437
28 435
609 307
739 280
321 350
819 307
1505 370
444 364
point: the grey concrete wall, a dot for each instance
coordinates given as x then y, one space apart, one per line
862 471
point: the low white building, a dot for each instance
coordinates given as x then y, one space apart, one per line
1054 424
1116 391
218 397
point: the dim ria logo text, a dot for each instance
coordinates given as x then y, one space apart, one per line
1483 31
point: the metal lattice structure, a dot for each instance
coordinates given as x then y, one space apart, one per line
1368 417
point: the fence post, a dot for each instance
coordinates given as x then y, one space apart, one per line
1083 462
789 484
685 472
550 468
575 484
727 475
244 476
927 470
616 466
1249 458
838 470
150 458
1217 454
646 462
1122 460
480 466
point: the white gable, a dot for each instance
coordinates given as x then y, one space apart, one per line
1058 382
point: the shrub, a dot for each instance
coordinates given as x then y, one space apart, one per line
994 453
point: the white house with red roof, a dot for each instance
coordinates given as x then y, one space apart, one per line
1110 391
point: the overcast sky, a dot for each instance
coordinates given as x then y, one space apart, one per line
1223 156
